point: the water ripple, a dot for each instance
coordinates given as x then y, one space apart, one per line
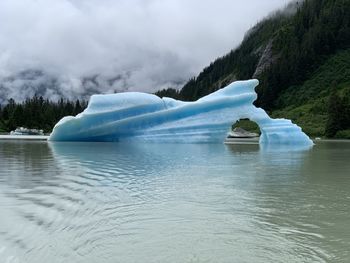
104 202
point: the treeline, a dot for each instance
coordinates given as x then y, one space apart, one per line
37 113
300 43
292 46
319 29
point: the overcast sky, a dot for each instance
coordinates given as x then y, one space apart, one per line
148 44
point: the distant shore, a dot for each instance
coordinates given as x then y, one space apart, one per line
24 137
331 140
7 137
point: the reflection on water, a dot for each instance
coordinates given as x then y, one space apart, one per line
106 202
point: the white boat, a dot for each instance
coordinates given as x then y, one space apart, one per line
26 131
241 133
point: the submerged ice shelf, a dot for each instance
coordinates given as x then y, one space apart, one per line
146 117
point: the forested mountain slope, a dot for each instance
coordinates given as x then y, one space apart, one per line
301 56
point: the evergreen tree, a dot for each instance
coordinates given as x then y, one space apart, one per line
37 113
336 114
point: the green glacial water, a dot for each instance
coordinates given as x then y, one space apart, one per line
110 202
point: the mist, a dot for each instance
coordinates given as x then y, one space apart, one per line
75 48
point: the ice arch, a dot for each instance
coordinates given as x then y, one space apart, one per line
138 116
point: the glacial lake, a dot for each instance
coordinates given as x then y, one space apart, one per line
112 202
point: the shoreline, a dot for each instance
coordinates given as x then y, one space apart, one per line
226 141
331 140
24 137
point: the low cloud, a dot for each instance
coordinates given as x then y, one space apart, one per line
74 48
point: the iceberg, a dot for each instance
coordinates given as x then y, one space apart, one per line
146 117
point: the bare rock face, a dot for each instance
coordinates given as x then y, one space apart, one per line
266 60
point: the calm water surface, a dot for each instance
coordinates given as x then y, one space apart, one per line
101 202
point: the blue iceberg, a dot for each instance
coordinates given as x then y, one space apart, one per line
139 116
